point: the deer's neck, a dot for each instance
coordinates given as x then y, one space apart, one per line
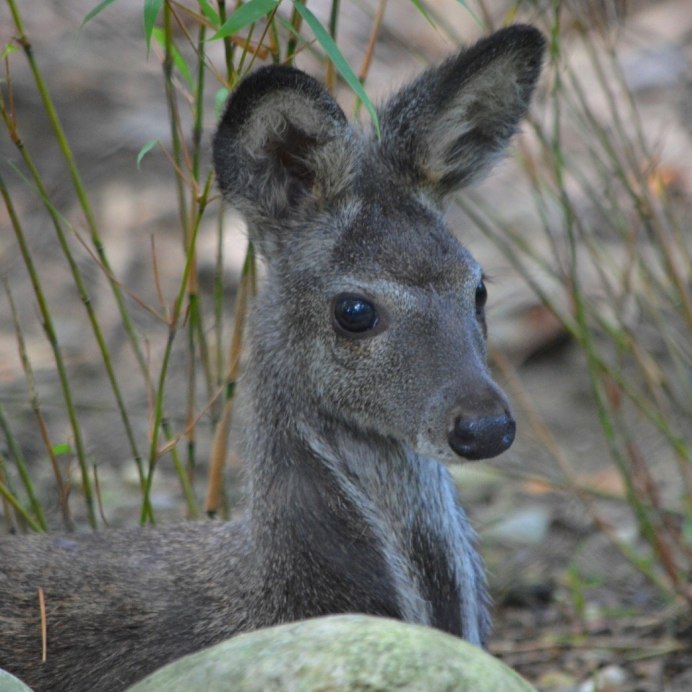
350 521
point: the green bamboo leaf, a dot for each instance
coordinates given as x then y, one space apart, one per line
159 36
145 150
474 16
151 12
97 10
245 15
209 12
9 48
421 8
340 62
220 99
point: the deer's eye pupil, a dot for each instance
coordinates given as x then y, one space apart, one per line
481 296
355 314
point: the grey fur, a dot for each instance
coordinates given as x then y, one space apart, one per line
349 506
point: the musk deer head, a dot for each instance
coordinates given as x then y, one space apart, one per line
373 313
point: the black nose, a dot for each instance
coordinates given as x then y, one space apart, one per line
482 438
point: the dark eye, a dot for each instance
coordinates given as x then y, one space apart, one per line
355 314
481 297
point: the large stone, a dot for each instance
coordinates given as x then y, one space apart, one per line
344 652
8 683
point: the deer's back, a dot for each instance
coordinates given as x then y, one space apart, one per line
118 604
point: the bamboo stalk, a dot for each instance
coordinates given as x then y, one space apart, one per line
23 40
220 441
51 335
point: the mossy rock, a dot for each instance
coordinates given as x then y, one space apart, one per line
8 683
344 652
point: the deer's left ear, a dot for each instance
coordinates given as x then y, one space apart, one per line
282 141
452 123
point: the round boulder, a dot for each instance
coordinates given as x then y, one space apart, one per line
342 652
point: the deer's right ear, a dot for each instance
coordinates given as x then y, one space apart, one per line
449 126
281 143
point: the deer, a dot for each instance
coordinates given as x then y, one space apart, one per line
366 376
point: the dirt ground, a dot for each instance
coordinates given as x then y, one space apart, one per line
570 614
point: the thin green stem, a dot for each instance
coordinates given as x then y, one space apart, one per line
215 494
63 493
333 24
39 523
80 190
228 47
16 505
219 299
172 332
51 335
79 282
183 477
198 108
295 22
174 116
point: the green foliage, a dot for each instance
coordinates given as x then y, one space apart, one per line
159 36
246 14
8 49
97 10
145 150
152 8
334 54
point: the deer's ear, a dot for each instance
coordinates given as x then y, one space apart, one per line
282 141
452 123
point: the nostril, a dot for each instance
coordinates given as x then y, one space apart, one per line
482 438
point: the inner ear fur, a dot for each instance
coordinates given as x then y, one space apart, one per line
448 127
282 137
